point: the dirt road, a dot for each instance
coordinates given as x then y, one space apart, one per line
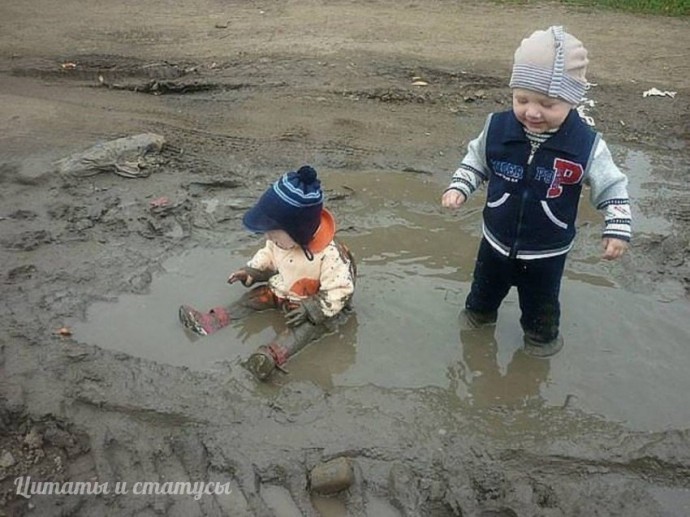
381 97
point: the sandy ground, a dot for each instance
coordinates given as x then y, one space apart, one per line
243 91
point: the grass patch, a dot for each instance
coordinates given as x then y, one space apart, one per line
662 7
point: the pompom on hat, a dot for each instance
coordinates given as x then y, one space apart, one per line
551 62
293 204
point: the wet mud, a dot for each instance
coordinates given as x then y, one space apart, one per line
99 382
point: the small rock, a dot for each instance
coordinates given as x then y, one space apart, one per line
332 476
33 439
6 460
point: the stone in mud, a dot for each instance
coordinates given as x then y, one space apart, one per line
6 460
332 476
33 439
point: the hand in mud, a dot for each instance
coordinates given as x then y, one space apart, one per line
613 248
242 276
452 199
297 316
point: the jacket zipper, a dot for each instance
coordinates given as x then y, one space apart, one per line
523 199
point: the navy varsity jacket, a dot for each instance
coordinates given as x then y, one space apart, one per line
532 199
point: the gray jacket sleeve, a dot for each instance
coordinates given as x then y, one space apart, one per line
609 192
473 170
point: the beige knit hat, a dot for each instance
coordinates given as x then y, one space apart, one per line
551 62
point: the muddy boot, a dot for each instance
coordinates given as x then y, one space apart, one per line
285 345
204 323
542 349
470 319
261 363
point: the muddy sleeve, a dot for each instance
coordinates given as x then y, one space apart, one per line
337 284
609 193
263 260
473 170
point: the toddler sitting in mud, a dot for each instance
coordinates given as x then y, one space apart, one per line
302 270
535 159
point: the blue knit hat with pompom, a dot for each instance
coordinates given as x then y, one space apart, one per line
292 204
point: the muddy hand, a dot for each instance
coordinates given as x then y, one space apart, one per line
297 316
243 276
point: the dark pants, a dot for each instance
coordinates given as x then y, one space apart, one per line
538 283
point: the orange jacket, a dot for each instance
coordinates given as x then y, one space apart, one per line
330 276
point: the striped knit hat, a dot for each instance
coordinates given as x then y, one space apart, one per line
292 204
551 62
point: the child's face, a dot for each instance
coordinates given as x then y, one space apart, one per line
281 239
538 112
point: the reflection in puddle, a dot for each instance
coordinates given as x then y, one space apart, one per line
335 507
329 506
644 189
625 356
487 381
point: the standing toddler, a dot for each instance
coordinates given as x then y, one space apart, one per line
535 159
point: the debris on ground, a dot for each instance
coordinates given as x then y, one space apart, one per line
655 92
159 202
124 156
585 105
64 331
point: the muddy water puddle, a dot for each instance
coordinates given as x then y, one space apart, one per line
625 358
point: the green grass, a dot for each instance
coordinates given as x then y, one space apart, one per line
663 7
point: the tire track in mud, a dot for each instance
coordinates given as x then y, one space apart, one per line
449 89
208 151
158 441
156 78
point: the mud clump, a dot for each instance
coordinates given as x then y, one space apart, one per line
48 450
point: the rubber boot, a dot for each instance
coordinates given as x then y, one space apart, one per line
262 363
268 358
542 349
204 323
470 319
